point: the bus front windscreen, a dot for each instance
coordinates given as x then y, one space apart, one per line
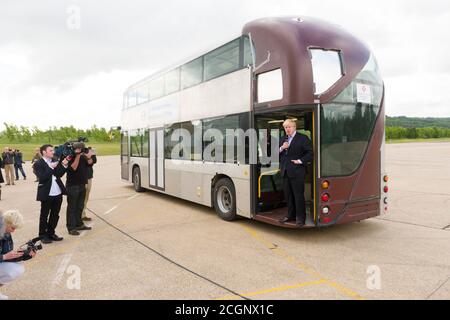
347 122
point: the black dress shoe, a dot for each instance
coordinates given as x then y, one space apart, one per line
299 224
84 227
46 240
74 233
54 237
286 219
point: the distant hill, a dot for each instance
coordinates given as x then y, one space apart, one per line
407 122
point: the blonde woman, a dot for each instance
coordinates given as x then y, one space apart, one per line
9 271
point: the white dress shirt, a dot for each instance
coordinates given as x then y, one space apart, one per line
55 190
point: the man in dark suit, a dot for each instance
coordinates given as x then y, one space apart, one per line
295 153
50 192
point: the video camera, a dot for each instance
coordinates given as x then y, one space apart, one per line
32 245
67 150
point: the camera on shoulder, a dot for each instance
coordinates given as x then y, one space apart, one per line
67 150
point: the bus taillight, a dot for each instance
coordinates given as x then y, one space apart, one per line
386 189
326 220
325 210
386 178
325 185
325 197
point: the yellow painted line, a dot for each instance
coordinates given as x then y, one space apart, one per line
293 261
277 289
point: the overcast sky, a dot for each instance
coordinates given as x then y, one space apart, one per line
56 69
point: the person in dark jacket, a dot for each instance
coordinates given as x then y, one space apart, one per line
8 164
50 192
18 164
9 271
295 153
77 178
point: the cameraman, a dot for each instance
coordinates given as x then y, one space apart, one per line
9 271
77 178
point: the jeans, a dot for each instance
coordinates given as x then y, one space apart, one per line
49 215
17 168
75 206
10 271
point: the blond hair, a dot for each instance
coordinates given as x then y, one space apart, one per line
290 121
13 218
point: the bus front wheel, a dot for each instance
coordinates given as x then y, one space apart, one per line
137 180
224 199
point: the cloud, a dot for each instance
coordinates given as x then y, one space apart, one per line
47 65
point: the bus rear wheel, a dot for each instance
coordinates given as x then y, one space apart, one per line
137 180
224 199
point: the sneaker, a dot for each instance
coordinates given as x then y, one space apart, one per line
3 297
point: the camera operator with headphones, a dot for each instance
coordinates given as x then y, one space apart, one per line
10 271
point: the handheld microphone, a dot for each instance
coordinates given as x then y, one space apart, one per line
286 139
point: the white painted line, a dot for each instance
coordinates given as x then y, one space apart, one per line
132 197
116 206
111 210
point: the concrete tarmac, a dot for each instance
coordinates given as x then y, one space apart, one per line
153 246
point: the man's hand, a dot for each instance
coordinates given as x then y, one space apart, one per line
54 165
78 151
32 253
285 146
12 255
296 162
65 162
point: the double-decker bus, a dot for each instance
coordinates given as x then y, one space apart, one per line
299 68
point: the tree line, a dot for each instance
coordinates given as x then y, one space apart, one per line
23 134
416 133
410 122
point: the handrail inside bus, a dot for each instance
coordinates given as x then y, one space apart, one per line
268 173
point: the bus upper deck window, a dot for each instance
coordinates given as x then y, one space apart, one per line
327 68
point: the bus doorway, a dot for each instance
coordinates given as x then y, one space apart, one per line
271 205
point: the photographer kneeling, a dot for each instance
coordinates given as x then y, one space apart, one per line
9 271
